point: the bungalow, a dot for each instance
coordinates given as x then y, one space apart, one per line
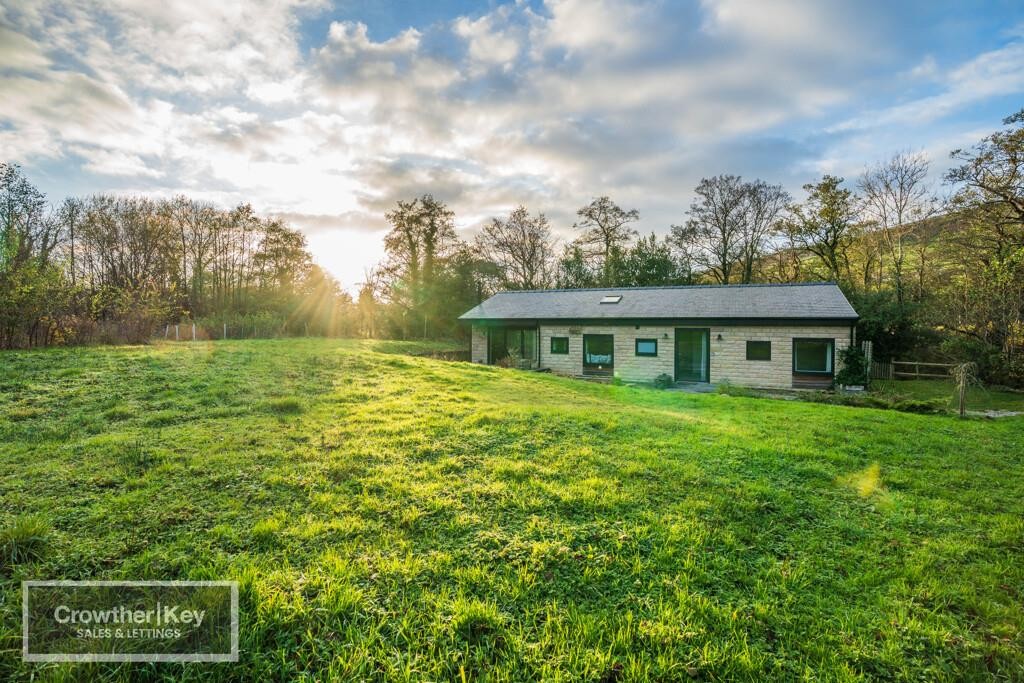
773 336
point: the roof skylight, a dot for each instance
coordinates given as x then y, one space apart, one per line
611 299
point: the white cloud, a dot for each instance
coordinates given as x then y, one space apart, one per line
547 107
990 74
612 26
785 25
488 42
115 163
20 53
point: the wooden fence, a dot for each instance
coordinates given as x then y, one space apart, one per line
914 370
909 369
881 370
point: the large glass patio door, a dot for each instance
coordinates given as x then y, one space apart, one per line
598 354
692 354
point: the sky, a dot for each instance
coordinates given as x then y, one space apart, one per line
327 114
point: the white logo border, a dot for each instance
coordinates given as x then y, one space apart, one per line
129 657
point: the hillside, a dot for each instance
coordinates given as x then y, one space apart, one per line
391 517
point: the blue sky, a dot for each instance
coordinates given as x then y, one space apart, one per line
326 114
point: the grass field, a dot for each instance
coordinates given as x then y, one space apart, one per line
398 518
978 398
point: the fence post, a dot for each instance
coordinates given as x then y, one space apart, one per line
176 332
867 346
225 331
193 331
167 330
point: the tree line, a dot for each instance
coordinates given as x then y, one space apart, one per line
116 269
932 278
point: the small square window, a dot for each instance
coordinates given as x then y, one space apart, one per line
647 347
759 350
611 299
560 345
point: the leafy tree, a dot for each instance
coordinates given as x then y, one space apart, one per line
991 180
893 327
422 235
825 224
648 263
30 283
26 232
282 260
368 304
988 300
574 271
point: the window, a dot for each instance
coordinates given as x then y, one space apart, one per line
813 356
560 345
759 350
518 341
647 347
611 299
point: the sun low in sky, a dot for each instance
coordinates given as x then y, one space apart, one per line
327 114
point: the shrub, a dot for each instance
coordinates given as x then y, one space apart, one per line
855 367
994 367
663 381
895 328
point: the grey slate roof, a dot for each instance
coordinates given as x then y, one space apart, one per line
810 300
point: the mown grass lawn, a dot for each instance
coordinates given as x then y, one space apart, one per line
400 518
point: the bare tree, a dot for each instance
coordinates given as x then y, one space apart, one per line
682 248
70 216
764 204
196 224
896 198
605 227
522 248
716 226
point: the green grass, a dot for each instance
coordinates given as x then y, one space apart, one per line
391 517
978 398
22 540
